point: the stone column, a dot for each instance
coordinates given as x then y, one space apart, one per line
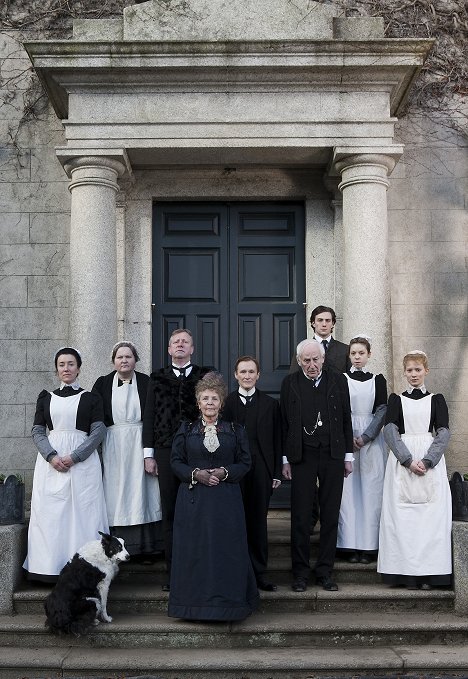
93 257
366 281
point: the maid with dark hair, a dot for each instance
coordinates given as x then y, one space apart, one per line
67 504
132 495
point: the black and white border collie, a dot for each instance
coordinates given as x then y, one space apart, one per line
79 599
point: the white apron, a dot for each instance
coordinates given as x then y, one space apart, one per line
416 518
361 503
132 496
67 508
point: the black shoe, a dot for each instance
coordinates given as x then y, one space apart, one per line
354 558
327 584
299 585
166 587
266 586
365 558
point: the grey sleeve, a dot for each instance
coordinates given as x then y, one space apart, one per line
97 433
376 425
438 446
393 440
41 441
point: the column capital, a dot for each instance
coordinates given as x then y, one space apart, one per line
95 166
345 157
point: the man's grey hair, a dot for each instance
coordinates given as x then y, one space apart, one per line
307 343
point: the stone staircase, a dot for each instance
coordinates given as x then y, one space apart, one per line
364 629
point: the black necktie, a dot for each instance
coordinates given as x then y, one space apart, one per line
181 375
325 345
248 400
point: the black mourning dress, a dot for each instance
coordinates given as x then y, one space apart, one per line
212 577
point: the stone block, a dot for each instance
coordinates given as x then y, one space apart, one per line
45 164
14 228
40 353
13 354
13 291
450 286
460 566
449 225
47 291
453 382
98 29
17 454
358 28
13 539
451 358
242 20
12 418
34 323
34 259
409 225
425 320
34 196
15 164
11 44
424 257
24 387
458 421
49 227
420 285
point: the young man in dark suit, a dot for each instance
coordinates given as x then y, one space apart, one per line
317 444
323 320
260 415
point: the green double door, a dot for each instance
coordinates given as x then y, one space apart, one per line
233 273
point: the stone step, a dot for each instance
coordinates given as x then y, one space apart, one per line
222 663
148 599
262 630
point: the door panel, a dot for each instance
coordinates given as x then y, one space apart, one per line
233 273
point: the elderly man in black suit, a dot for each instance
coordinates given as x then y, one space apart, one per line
170 399
318 444
323 320
260 414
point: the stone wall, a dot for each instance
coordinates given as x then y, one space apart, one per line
428 236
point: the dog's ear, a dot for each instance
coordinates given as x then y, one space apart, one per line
105 536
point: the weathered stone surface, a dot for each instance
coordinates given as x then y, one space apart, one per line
49 227
24 387
460 566
12 554
33 323
243 20
48 291
14 228
358 28
13 291
40 353
408 225
449 258
98 29
449 225
13 353
12 418
34 259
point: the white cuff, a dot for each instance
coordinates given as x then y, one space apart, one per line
285 460
349 457
148 452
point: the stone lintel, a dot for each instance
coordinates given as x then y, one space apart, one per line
118 158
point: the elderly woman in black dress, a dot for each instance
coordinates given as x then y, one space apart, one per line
212 577
67 504
132 495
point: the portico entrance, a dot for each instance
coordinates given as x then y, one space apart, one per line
234 274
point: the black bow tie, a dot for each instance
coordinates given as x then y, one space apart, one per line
248 399
182 370
121 382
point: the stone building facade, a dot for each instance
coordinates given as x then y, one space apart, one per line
225 104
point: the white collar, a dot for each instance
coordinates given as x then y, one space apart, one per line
422 388
353 369
321 339
178 368
243 392
317 379
74 385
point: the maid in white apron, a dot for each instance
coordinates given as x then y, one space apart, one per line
416 519
67 503
361 503
132 495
